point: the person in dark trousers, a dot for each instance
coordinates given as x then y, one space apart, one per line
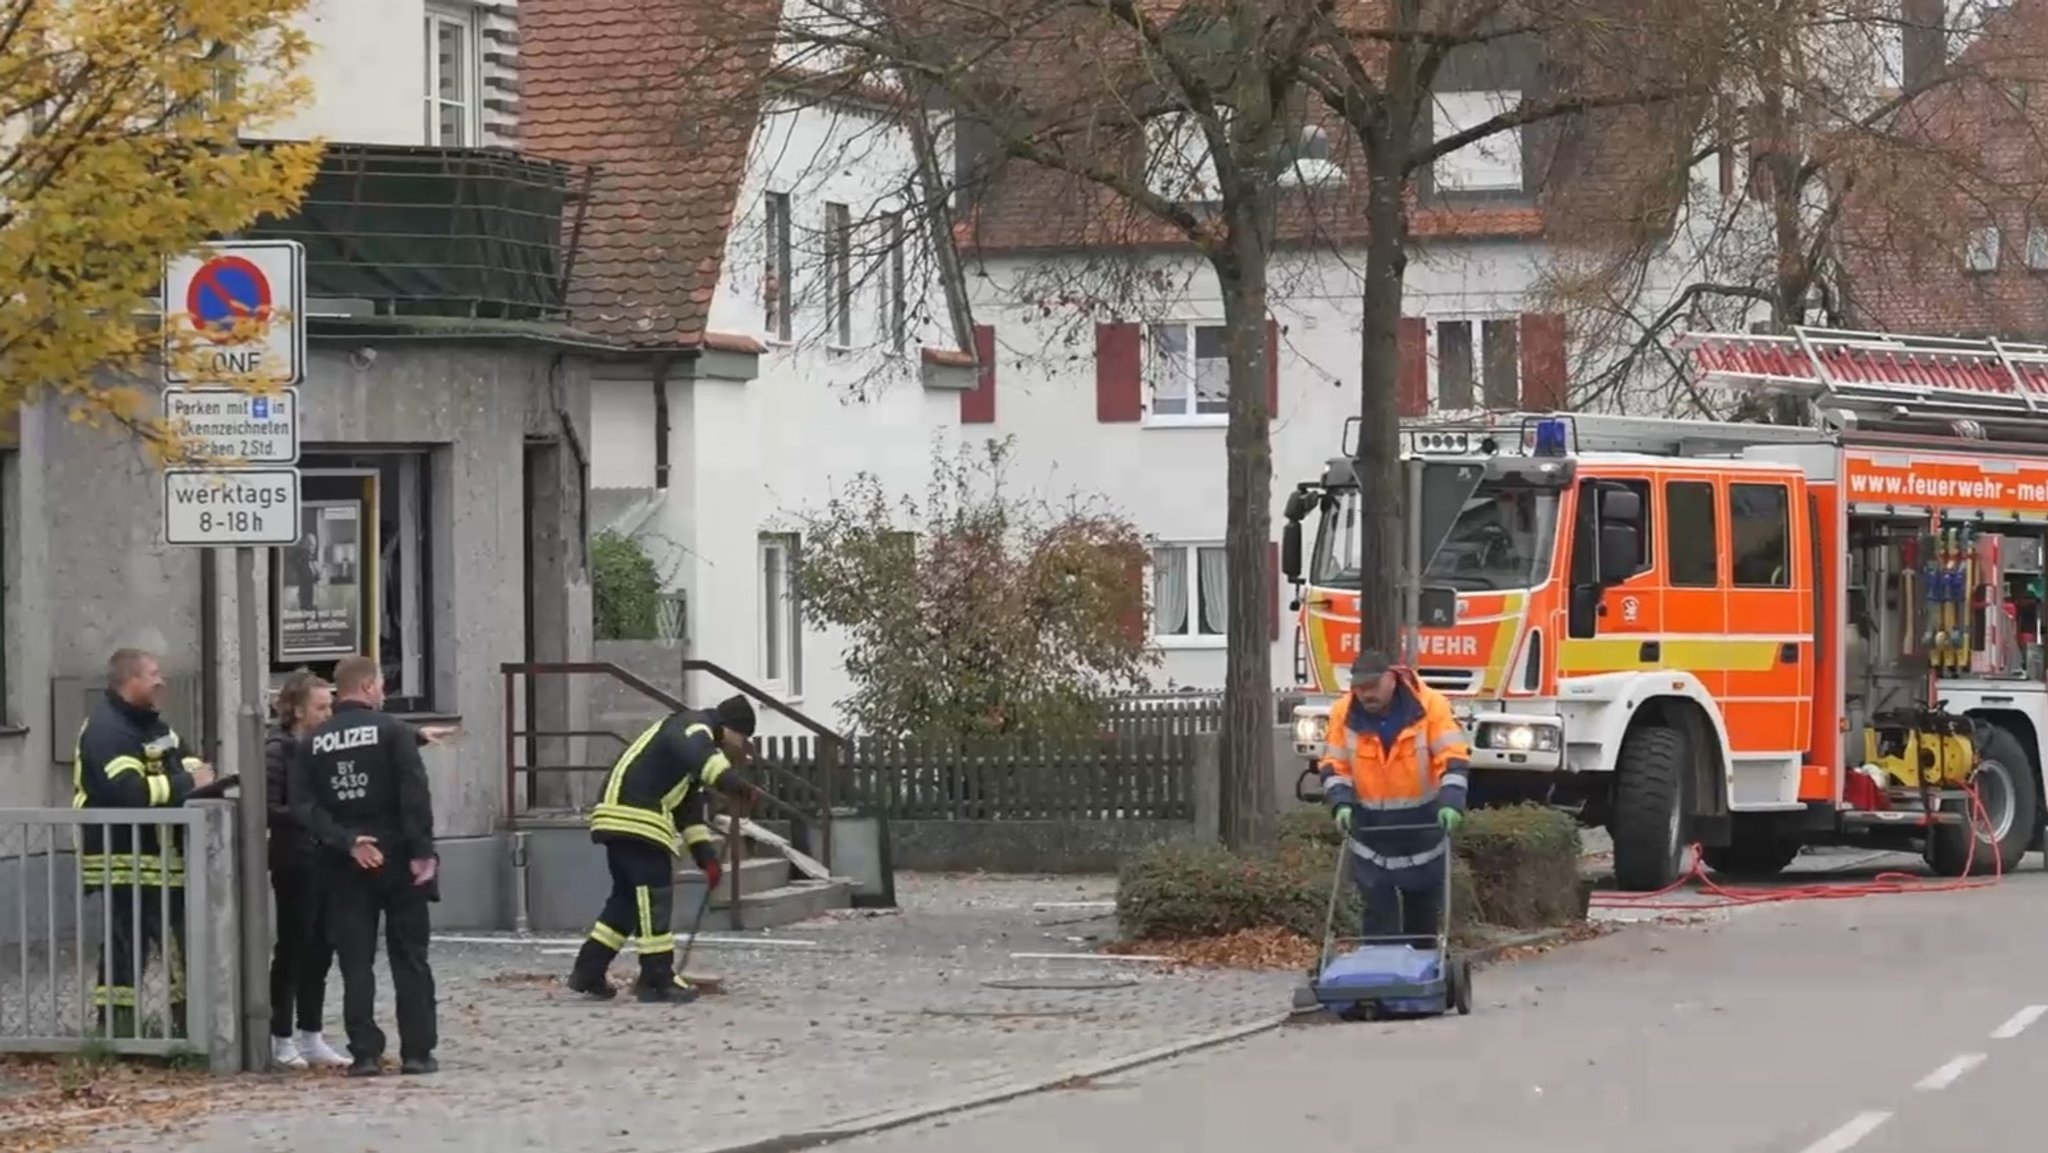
129 757
359 787
654 805
302 957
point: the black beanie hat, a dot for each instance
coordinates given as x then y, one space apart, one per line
737 714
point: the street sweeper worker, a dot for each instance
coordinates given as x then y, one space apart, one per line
1394 756
654 806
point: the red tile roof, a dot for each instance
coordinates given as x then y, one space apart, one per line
662 98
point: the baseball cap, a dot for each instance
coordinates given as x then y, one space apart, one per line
1370 665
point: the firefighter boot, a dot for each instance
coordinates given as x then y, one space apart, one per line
587 977
659 982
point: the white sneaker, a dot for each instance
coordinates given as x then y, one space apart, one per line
285 1054
314 1050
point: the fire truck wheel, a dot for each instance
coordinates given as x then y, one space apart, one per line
1649 815
2005 787
1751 856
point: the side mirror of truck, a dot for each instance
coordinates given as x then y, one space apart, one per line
1290 551
1298 503
1621 549
1621 506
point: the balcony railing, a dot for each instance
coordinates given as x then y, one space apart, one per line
437 232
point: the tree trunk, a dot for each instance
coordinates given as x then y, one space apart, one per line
1381 541
1249 812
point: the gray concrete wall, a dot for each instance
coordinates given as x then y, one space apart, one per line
1025 846
84 572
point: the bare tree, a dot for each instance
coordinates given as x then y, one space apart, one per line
1381 68
1074 92
1825 150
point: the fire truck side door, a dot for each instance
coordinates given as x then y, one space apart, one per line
1609 517
1768 652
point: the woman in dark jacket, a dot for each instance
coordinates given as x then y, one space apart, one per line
298 967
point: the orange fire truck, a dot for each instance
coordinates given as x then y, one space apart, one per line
1755 637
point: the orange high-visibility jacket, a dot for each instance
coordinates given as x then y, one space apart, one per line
1398 770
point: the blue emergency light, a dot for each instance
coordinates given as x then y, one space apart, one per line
1550 437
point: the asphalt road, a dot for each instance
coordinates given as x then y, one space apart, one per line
1884 1025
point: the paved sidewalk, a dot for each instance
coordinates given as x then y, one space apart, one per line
883 1012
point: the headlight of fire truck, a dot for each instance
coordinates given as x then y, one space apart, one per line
1309 727
1520 737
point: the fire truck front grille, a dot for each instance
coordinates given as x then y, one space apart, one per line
1450 680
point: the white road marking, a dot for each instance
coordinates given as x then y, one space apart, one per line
544 942
1845 1138
1949 1073
1104 958
2018 1022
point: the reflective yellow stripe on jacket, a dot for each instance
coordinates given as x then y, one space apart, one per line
150 870
612 815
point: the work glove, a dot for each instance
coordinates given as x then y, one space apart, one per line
1344 817
1450 819
706 859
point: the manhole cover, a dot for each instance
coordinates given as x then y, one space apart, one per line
1061 984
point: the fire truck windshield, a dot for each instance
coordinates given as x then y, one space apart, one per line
1502 539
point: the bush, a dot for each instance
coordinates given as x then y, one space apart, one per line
625 589
1513 868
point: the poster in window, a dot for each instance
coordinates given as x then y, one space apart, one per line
320 585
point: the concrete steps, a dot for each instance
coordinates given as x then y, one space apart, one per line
757 875
772 894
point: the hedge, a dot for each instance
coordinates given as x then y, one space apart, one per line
1514 868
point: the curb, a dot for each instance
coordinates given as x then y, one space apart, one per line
896 1119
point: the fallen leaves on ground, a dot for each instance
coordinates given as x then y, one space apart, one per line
55 1104
1245 949
1570 934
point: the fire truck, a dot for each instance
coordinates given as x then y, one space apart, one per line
1753 637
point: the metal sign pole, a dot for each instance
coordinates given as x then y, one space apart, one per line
1411 608
254 821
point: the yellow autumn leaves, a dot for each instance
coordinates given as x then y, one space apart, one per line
120 125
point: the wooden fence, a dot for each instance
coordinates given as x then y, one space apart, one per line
1144 774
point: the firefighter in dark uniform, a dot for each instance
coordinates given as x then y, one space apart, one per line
128 757
360 789
654 804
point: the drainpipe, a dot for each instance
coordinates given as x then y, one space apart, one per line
209 657
661 426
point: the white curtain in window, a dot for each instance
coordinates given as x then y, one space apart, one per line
1169 591
1170 368
1215 579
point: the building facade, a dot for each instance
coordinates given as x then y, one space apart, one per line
445 424
809 340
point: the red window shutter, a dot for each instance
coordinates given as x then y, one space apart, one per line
1119 374
1544 387
1132 618
978 404
1412 367
1273 583
1272 368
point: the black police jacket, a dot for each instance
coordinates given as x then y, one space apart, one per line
129 758
360 775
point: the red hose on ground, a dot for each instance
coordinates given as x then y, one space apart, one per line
1729 896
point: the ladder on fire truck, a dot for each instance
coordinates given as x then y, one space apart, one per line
1881 375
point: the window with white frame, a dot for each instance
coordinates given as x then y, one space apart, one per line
839 275
898 284
1490 164
453 113
1188 370
1188 586
1980 254
1478 363
782 637
1177 161
777 296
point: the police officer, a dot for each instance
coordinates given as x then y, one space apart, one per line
359 788
129 757
1395 756
655 803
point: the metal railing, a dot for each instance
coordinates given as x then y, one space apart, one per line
124 951
531 736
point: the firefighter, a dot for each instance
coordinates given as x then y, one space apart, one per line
359 788
128 757
655 803
1394 755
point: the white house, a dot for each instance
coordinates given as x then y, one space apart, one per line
812 341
